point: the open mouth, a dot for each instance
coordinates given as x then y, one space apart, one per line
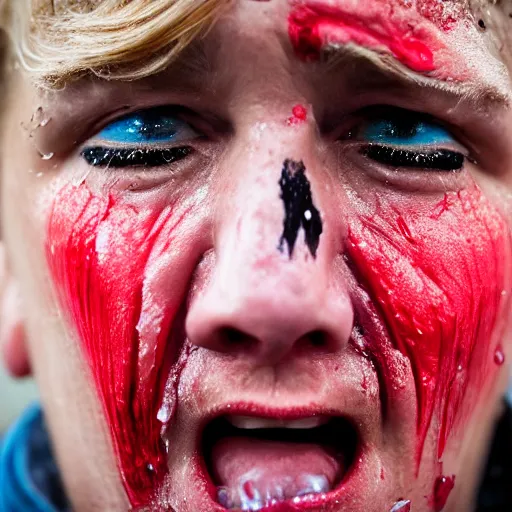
257 462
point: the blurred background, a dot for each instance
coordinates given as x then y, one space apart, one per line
15 395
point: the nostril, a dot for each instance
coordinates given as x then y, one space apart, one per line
232 336
235 339
314 339
318 339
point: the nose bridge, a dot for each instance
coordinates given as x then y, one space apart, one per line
274 252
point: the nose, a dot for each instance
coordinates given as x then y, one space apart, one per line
264 301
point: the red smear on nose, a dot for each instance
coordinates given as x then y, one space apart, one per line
313 28
98 250
299 115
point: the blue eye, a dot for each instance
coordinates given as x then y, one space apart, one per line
152 126
406 133
143 136
400 138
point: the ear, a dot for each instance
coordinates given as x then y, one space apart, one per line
12 330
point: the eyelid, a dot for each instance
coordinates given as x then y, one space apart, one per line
353 126
129 129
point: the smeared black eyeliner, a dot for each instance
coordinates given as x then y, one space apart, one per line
299 208
99 156
439 159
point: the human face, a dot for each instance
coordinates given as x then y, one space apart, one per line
303 223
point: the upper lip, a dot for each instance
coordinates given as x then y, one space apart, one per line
263 412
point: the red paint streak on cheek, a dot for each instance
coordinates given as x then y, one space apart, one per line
435 281
98 251
299 115
311 29
442 489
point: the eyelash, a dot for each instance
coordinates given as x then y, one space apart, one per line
439 159
99 156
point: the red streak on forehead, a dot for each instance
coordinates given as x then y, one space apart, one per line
314 28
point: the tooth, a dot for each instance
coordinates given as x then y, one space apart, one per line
223 497
312 422
249 422
252 422
314 484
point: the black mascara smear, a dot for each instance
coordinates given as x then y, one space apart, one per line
299 208
439 160
124 157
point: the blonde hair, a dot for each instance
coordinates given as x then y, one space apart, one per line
56 40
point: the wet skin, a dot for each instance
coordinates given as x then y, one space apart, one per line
156 268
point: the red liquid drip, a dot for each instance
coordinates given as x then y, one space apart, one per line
499 356
313 28
442 489
299 115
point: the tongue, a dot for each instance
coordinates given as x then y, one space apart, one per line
254 473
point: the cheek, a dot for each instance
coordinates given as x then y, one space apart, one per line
436 278
105 257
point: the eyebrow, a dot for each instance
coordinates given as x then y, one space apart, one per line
384 69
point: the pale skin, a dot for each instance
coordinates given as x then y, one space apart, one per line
244 82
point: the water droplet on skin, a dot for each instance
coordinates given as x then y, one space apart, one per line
499 356
164 414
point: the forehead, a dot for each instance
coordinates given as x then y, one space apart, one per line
79 35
